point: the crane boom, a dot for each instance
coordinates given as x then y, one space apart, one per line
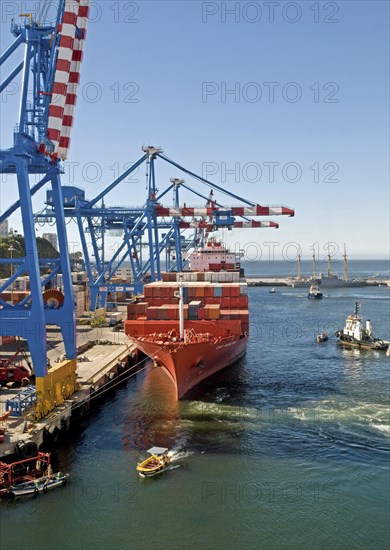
67 75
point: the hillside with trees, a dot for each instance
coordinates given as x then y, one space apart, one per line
45 250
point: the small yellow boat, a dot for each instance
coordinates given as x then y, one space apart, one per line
156 463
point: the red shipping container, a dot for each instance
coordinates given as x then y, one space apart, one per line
148 291
170 314
164 292
158 302
225 302
157 291
151 313
202 313
243 301
226 290
208 291
141 307
244 314
162 313
235 290
191 292
173 312
234 302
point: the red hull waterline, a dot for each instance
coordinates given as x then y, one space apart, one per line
187 364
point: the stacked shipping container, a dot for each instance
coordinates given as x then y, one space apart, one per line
204 301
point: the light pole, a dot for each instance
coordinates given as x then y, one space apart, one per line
10 250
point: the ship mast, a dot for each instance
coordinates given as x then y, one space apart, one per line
314 264
345 264
329 271
181 308
299 266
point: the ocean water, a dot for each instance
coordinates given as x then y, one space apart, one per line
287 449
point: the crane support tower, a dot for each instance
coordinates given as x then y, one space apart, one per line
50 71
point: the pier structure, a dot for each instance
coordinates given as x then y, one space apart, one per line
106 360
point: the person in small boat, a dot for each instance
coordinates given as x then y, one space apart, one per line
152 463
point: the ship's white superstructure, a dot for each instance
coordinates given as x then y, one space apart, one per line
214 256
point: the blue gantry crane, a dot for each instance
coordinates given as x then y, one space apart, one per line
161 228
50 69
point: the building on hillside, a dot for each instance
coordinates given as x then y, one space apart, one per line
52 238
4 228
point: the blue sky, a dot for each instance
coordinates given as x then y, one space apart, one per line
156 72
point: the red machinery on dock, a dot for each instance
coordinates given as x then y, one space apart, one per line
13 372
24 470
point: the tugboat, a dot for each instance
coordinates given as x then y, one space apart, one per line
355 334
314 292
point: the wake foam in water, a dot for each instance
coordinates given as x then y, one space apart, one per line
177 455
217 411
350 419
381 428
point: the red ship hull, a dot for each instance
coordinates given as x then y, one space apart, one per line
189 363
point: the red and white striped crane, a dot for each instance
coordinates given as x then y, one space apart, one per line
72 32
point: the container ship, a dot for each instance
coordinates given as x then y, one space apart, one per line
193 324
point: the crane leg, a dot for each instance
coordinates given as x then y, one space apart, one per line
36 331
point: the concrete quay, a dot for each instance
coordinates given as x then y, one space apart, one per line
269 281
104 357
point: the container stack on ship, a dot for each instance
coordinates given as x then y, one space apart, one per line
192 324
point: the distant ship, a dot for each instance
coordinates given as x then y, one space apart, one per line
355 334
193 324
330 280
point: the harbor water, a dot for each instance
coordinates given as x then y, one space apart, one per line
288 449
